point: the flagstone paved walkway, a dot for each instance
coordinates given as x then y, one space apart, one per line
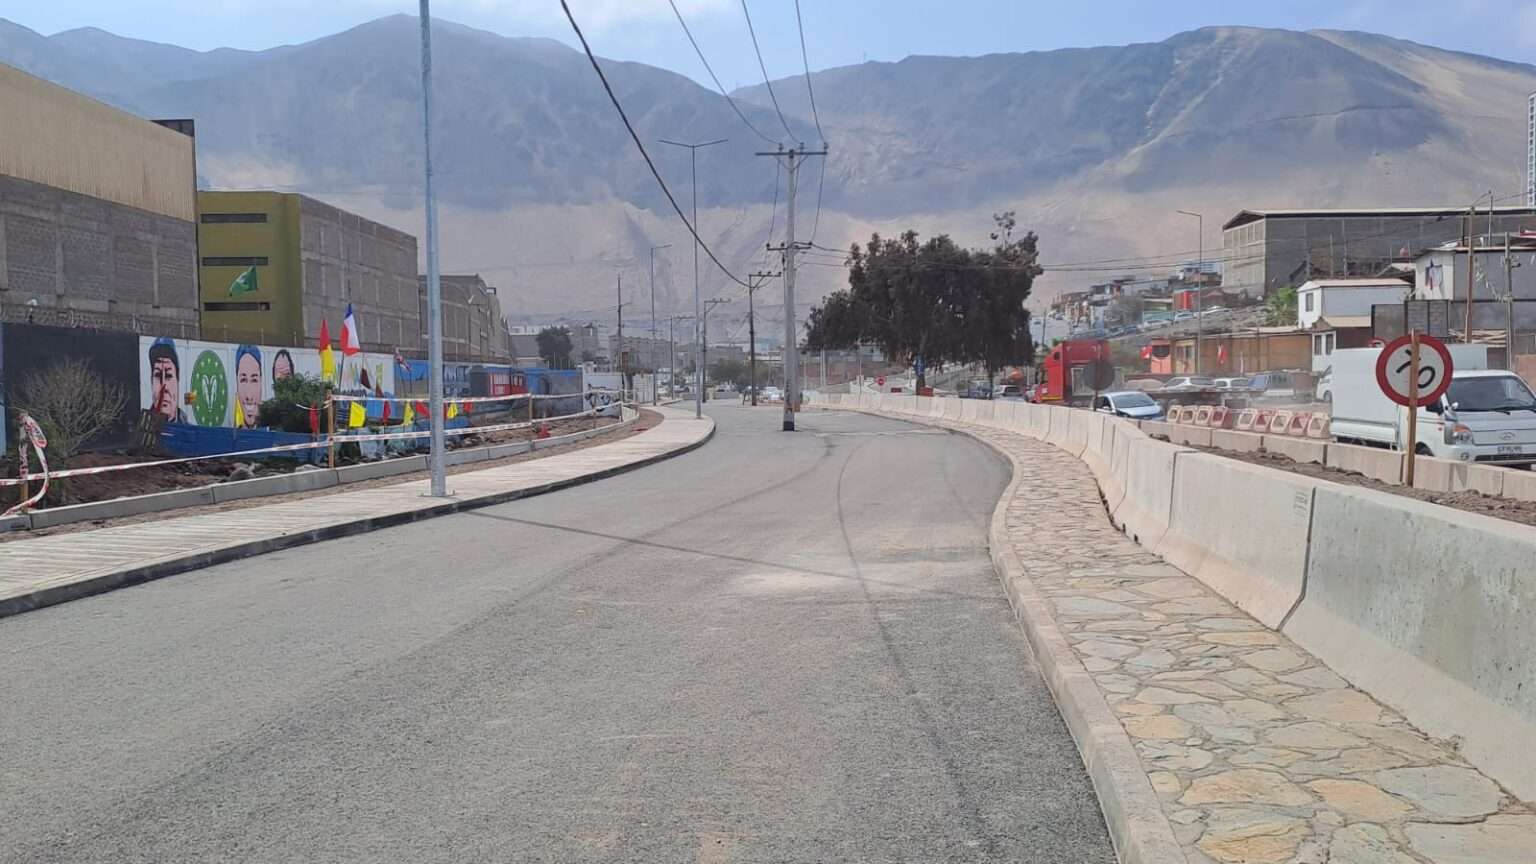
1257 751
45 570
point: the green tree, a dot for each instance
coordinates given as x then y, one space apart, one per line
729 372
555 347
935 300
1280 307
288 409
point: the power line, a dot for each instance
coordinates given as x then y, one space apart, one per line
641 147
721 87
799 25
763 66
820 185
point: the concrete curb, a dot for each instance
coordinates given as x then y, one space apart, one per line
184 563
1132 811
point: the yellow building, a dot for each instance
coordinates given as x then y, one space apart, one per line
310 261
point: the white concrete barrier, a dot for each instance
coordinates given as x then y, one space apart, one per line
1157 428
1373 462
1238 442
1101 445
1241 529
953 407
1114 484
924 406
1147 504
1433 611
1298 449
1194 436
1447 475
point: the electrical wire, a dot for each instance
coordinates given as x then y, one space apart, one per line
641 147
763 66
800 25
721 87
820 185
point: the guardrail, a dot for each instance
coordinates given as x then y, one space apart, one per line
1428 608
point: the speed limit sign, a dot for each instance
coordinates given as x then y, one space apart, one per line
1395 373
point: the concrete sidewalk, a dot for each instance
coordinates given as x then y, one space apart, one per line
53 569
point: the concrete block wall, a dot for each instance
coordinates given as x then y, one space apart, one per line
1430 609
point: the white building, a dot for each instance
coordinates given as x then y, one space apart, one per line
1441 273
1335 299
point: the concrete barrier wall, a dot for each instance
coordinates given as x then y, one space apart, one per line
1193 436
1240 442
952 408
1298 449
1113 486
1147 505
1373 462
1433 611
1241 529
298 481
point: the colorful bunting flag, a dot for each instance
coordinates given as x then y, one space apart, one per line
385 419
245 283
239 415
357 415
410 415
453 410
349 342
314 419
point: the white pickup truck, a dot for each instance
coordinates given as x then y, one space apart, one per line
1487 415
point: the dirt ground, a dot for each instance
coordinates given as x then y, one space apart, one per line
648 419
1510 509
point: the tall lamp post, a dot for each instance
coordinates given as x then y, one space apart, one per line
439 483
655 390
1199 283
698 309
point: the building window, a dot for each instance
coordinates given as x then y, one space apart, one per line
237 306
1308 301
221 218
236 261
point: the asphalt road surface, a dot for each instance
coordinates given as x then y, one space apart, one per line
776 648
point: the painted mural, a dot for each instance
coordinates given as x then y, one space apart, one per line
218 383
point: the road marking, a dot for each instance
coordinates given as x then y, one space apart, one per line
881 434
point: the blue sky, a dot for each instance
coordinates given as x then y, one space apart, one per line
838 32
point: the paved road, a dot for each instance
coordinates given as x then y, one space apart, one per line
810 662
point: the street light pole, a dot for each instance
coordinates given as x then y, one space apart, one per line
698 309
1199 286
655 390
439 483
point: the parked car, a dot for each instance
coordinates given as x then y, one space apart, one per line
1276 384
1189 382
1011 391
1183 316
977 388
1128 403
1216 312
1231 383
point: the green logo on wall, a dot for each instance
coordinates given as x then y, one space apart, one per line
211 385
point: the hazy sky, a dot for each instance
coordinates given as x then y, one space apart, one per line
838 32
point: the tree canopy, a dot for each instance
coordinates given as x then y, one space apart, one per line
555 347
935 300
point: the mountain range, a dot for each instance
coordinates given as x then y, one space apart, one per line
542 191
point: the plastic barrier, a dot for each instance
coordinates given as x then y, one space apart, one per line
1221 417
1279 423
1319 426
1246 420
1241 529
1203 416
1429 609
1299 423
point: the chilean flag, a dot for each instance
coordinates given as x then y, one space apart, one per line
349 342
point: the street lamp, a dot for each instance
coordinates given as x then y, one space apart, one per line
655 394
1200 279
698 310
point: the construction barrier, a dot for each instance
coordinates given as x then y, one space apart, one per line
1279 423
1203 415
1246 419
1299 423
1221 417
1319 426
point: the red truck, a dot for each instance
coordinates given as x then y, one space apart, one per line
1068 371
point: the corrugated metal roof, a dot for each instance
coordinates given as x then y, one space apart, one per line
1244 217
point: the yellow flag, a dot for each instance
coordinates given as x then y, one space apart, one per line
453 410
327 364
239 415
357 415
410 415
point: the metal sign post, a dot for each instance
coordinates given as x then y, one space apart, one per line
1413 408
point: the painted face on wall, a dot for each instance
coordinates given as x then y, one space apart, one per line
282 366
248 386
165 381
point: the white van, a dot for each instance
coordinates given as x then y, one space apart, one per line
1487 415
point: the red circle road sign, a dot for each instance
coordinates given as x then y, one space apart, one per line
1393 369
880 381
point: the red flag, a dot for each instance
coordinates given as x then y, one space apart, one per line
314 419
1146 352
468 406
386 412
422 410
1221 354
325 335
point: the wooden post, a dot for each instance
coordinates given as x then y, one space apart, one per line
1413 407
330 439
